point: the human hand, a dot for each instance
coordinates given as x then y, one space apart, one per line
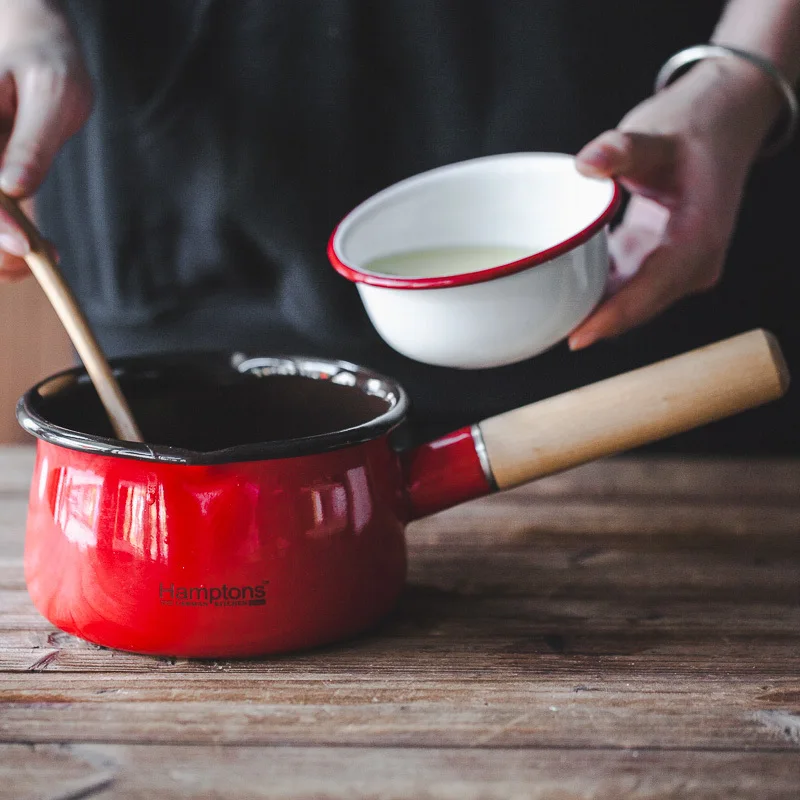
684 154
45 97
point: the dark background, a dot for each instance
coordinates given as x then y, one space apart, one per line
761 285
298 111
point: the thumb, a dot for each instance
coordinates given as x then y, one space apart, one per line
37 133
638 159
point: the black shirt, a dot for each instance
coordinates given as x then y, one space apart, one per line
230 136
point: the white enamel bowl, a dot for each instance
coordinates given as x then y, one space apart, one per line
537 202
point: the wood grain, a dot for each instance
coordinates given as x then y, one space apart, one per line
494 712
630 629
131 772
642 406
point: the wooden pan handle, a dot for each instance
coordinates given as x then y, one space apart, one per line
47 273
633 409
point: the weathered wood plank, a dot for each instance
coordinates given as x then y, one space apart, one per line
679 597
55 773
268 686
545 712
129 772
421 659
519 519
684 477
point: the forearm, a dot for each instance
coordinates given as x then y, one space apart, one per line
737 91
770 28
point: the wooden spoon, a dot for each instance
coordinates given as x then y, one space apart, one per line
46 271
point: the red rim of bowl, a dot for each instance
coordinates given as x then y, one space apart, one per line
466 278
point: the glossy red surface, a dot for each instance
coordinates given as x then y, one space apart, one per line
230 560
223 560
443 473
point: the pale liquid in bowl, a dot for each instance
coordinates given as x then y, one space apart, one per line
437 262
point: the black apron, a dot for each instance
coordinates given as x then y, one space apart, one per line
230 136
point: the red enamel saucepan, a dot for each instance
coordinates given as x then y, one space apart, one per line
266 511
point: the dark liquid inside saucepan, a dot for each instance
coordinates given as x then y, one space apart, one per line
197 411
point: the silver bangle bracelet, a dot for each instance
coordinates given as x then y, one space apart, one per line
699 52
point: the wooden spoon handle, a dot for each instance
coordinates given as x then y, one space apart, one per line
633 409
47 273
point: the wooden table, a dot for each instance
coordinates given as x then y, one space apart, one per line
627 630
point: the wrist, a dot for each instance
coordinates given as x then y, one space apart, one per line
767 28
749 93
731 99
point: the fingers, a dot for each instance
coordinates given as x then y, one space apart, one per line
667 274
45 97
14 246
647 272
12 268
643 162
644 296
667 247
38 131
640 234
46 102
12 239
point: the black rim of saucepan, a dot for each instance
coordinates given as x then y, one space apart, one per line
141 367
